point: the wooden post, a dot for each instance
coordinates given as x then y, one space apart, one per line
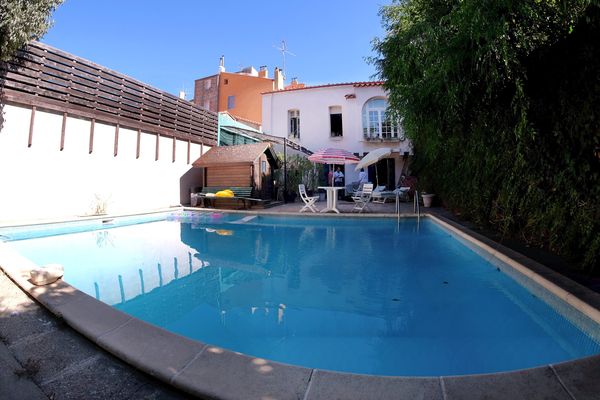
137 149
91 148
174 147
31 121
116 149
157 146
189 149
62 132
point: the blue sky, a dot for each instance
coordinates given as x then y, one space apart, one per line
169 44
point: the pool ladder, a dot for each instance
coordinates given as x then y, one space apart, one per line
416 206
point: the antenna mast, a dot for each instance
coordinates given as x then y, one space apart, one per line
182 92
283 49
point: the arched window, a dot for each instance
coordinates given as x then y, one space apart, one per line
376 122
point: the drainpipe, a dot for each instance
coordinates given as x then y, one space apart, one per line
218 99
218 129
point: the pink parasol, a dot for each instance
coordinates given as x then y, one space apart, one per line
333 156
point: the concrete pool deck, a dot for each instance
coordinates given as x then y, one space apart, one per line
206 371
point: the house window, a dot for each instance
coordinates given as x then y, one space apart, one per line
377 123
226 81
263 167
294 126
230 102
335 121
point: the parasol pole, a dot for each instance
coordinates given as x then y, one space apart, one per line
332 172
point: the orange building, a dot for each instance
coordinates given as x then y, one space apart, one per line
238 93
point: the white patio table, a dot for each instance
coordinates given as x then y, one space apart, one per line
331 198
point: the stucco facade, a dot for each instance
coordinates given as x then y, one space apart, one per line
238 93
43 181
314 106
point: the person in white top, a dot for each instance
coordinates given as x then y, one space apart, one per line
362 177
338 177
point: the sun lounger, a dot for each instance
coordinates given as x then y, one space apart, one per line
380 195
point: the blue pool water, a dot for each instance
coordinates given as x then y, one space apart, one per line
357 295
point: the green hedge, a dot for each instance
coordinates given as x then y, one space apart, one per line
502 102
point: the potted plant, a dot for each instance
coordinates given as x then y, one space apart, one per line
427 199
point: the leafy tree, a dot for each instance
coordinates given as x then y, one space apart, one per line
501 100
22 21
299 170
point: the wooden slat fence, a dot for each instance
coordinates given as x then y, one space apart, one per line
47 78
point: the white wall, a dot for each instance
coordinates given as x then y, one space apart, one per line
314 104
41 181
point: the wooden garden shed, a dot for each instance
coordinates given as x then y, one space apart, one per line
246 165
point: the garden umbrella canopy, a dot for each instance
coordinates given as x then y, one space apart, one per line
333 156
373 157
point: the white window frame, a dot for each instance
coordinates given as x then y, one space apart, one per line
294 124
376 125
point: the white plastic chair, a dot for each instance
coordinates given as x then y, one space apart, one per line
357 191
309 202
361 202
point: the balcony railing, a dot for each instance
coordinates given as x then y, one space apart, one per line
383 136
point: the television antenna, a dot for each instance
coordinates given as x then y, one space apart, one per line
182 92
283 49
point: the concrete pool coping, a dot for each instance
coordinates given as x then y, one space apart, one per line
212 372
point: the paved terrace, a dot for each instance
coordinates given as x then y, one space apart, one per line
42 357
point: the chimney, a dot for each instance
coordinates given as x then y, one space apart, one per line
222 64
182 95
294 81
263 72
278 79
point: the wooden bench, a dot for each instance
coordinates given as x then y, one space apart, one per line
241 195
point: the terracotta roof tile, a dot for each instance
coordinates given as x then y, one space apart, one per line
355 84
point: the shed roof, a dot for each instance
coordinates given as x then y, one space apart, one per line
244 153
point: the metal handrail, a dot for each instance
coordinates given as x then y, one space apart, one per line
398 205
416 207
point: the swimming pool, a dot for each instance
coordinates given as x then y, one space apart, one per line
365 296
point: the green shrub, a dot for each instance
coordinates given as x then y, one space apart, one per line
502 102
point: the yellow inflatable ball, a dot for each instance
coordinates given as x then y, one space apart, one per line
224 193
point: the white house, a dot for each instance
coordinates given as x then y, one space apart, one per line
349 116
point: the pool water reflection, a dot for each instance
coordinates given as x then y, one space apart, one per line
364 296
